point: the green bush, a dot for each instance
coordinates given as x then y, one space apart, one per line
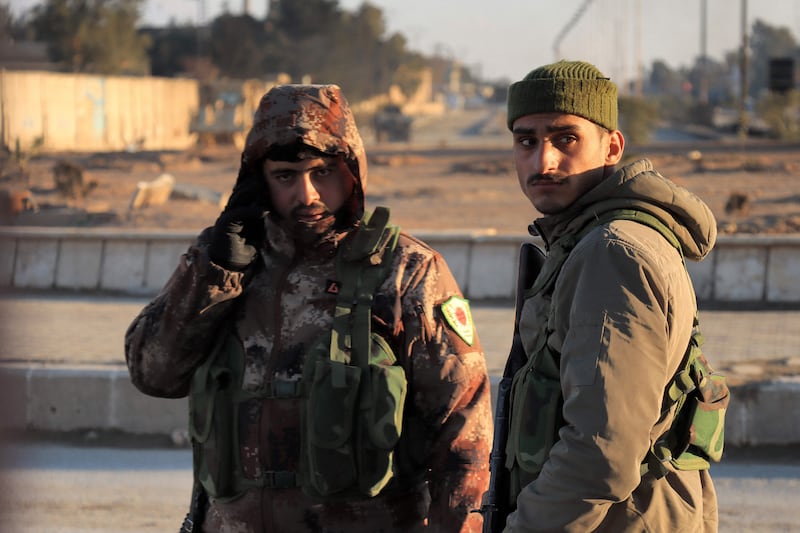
638 118
781 112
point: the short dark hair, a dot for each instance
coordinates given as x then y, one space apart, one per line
293 152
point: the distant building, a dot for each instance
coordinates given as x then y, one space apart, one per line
26 55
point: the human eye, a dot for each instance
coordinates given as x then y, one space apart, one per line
282 177
525 141
566 139
324 171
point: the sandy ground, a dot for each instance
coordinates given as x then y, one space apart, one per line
429 188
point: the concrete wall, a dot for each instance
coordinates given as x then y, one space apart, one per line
745 269
86 398
85 112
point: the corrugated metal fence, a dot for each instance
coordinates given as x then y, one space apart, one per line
83 112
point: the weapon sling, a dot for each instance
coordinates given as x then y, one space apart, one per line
494 507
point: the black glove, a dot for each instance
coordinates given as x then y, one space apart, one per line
236 237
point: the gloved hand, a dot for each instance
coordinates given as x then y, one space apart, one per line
236 235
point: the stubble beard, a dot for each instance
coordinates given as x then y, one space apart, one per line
542 202
309 233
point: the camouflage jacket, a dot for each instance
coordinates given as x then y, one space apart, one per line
277 313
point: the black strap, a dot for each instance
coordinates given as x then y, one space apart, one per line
197 509
279 479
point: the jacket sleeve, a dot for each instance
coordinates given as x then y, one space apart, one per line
174 333
450 393
614 310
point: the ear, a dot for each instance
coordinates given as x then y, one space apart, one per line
616 145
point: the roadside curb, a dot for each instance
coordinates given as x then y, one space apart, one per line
56 398
67 398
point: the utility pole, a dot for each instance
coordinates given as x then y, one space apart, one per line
201 15
703 92
743 62
638 57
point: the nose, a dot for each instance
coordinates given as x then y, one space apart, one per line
307 193
545 158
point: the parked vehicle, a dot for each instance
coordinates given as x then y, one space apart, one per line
226 111
392 125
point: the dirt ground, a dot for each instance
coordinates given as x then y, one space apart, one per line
756 191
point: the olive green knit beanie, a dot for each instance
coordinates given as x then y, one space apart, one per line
573 87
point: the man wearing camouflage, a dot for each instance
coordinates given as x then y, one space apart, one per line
267 272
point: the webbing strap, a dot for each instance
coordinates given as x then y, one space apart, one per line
279 479
361 266
642 217
561 248
370 236
283 388
271 479
680 385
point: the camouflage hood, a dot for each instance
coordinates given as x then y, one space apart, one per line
317 116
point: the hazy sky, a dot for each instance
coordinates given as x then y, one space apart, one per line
508 38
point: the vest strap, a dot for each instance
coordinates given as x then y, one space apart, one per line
279 479
283 388
272 479
362 266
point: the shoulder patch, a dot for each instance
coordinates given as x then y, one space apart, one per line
459 317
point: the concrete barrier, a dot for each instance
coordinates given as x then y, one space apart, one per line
71 398
746 269
57 398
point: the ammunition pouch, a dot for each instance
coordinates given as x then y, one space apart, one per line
353 417
699 398
215 402
352 422
212 417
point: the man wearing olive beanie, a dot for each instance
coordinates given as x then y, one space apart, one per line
604 328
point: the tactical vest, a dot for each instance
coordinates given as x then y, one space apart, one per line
352 388
696 396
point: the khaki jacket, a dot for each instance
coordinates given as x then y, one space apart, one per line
621 317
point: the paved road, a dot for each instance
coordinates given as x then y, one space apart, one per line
69 328
58 487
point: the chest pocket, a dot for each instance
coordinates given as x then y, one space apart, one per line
352 421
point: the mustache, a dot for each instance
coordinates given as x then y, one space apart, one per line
533 179
315 208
